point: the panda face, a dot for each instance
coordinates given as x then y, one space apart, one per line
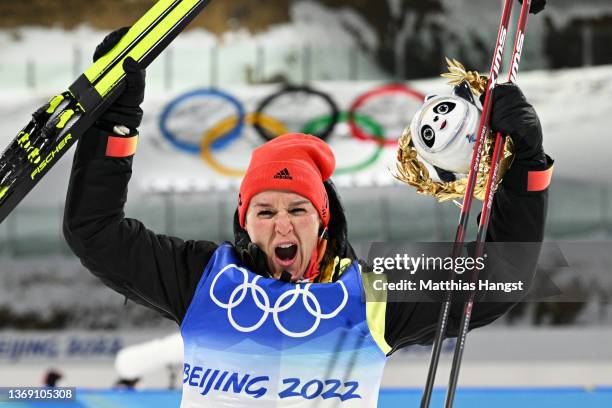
443 133
440 121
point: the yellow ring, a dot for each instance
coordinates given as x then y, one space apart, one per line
221 128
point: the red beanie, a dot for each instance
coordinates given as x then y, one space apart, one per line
293 162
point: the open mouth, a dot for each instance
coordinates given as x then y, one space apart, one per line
443 125
286 252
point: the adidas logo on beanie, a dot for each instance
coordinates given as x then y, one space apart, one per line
293 162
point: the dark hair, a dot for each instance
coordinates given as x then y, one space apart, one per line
337 231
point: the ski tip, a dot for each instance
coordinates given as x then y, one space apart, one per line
3 191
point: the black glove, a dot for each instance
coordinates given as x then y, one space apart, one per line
536 6
126 108
513 115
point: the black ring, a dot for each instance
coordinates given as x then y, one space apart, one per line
323 134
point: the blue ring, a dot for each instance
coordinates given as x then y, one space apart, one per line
194 148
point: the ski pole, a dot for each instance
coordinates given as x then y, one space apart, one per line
500 142
468 197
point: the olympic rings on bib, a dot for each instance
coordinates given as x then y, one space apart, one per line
364 121
193 148
264 305
221 128
323 135
363 99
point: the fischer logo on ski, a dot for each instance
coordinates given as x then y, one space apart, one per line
51 156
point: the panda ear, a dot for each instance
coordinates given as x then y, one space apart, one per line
445 176
429 97
464 91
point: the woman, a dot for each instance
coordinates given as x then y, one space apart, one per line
277 318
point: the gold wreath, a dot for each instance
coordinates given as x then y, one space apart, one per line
413 172
458 74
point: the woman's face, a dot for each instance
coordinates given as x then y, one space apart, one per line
285 226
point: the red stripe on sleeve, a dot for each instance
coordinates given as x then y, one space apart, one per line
121 146
539 180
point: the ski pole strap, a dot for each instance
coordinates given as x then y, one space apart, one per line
121 146
539 180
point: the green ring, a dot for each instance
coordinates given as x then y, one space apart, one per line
367 122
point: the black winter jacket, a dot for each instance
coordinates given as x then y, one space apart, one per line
162 272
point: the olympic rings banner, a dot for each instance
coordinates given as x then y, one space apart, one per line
206 136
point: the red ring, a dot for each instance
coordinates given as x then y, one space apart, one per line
361 100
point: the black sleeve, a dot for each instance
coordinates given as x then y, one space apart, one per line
517 216
154 270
